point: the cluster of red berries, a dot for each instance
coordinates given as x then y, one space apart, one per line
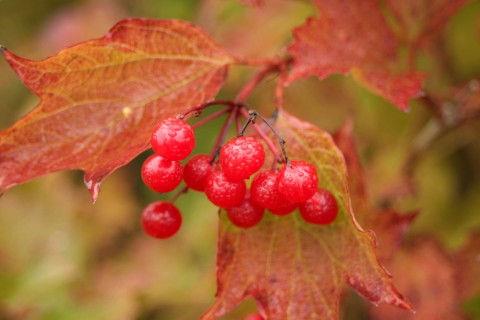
281 191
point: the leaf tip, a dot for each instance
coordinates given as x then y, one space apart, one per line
93 187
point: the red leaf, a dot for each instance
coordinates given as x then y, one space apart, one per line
101 98
425 273
421 20
467 263
352 37
294 269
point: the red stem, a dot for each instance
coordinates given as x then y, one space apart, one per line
200 108
211 117
263 135
223 133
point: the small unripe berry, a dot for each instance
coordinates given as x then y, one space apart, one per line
222 192
241 157
321 208
264 193
297 181
173 139
160 174
196 172
245 215
161 220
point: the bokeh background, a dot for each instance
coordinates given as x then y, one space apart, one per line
62 257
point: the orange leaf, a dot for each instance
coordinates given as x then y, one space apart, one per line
101 99
352 37
297 270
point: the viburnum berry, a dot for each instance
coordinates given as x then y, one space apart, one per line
297 181
264 193
283 208
196 172
241 157
245 215
160 174
161 219
222 192
173 139
321 208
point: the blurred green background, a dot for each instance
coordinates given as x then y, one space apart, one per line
61 257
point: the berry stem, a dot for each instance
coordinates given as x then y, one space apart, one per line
178 194
211 117
251 116
248 88
223 133
197 110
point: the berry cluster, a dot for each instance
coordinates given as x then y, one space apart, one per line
223 181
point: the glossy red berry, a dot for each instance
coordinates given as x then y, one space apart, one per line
196 172
264 193
241 157
283 208
222 192
161 219
245 215
297 181
160 174
173 139
321 208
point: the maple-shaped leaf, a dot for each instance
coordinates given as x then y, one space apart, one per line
297 270
352 37
101 99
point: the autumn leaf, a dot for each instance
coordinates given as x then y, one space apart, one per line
467 264
426 274
352 37
420 21
297 270
101 99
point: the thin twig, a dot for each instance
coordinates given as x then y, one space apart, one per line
253 114
178 194
223 133
211 117
197 110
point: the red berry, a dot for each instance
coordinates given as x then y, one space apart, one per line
245 215
297 181
222 192
321 208
161 219
196 172
254 316
241 157
173 139
283 208
160 174
264 193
